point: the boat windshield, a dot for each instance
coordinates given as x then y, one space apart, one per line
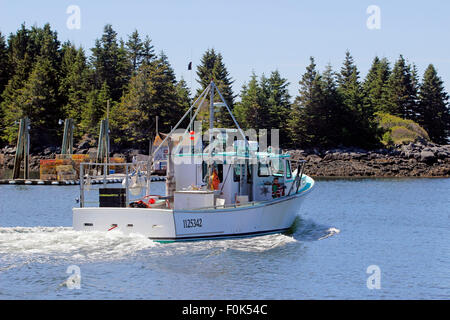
277 167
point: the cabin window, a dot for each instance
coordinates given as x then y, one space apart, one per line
237 173
204 171
219 168
249 173
288 169
263 170
277 167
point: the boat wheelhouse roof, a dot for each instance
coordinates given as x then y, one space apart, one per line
236 154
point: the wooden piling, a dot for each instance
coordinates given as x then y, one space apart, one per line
22 149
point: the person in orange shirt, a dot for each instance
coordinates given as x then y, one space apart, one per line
215 180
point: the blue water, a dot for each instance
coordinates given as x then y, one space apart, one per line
344 226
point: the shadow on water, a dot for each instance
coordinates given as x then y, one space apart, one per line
308 230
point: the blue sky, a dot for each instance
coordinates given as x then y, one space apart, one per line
258 36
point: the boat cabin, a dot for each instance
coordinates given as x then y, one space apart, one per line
253 176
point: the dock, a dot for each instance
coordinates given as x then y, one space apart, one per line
99 180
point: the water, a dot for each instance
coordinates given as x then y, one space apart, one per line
345 226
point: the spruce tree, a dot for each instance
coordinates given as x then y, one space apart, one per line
147 54
151 92
305 114
37 100
400 96
331 114
95 109
109 59
433 111
375 84
4 65
184 95
20 60
357 120
279 105
249 111
4 77
135 48
74 85
213 68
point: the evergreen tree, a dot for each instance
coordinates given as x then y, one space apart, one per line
4 64
34 59
184 96
357 120
152 92
95 109
415 89
109 59
433 111
279 105
213 68
305 114
4 77
148 54
375 84
135 48
38 101
249 111
400 96
74 85
139 51
332 115
265 104
349 85
20 61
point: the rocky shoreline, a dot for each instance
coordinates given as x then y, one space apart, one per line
419 159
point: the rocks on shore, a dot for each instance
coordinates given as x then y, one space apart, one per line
419 159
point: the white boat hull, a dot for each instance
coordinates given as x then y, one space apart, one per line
168 225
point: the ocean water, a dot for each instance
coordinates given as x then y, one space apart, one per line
353 239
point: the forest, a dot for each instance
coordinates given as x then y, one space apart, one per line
46 80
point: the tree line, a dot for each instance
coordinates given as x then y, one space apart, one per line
340 109
47 80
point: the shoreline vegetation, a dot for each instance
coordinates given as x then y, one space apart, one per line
391 123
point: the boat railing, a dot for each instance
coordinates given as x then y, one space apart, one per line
249 203
89 175
298 177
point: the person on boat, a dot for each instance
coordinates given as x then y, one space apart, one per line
277 189
215 180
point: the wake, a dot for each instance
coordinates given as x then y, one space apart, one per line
66 243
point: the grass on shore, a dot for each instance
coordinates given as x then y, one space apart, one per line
398 130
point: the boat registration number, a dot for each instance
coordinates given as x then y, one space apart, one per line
192 223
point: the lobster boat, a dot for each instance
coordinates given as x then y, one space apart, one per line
219 185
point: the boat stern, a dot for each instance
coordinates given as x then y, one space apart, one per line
153 223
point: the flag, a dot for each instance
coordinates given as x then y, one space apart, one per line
190 66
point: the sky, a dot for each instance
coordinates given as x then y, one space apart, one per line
256 36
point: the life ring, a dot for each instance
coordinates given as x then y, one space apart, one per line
151 200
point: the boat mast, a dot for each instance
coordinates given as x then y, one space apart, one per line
211 127
211 112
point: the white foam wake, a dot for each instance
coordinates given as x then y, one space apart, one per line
330 232
63 242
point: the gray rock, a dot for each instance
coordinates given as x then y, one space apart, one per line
427 156
84 145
